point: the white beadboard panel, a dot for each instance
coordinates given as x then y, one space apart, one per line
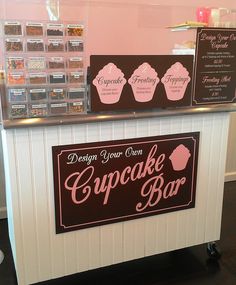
94 250
218 147
128 240
107 245
105 131
70 253
154 128
39 190
165 126
118 131
56 242
111 244
79 133
82 245
143 128
134 239
171 221
150 231
176 125
23 158
65 135
117 239
12 200
221 168
40 254
161 234
139 239
203 172
130 129
191 226
92 132
181 234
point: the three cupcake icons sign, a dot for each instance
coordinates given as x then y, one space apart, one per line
110 81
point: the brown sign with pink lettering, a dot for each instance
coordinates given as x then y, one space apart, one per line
106 182
122 82
215 66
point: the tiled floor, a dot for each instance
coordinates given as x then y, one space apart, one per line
184 267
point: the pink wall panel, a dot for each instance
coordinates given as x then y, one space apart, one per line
119 27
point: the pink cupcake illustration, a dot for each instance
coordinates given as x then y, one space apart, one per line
109 83
176 80
143 82
179 157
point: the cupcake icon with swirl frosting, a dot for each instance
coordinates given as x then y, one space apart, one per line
143 82
109 83
176 80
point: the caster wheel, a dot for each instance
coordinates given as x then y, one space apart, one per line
213 251
1 256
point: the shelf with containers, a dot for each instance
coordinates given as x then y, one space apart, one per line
45 70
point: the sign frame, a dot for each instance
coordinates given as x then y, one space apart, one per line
124 201
215 66
140 82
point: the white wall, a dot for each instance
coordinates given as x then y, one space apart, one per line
3 213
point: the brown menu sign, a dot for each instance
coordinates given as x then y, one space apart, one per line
215 67
106 182
121 82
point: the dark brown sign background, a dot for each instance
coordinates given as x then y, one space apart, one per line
215 67
128 64
107 182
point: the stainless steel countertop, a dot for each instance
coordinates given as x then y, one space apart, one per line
114 116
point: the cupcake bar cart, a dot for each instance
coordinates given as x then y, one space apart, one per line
112 152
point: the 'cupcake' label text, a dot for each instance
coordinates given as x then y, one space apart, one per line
109 82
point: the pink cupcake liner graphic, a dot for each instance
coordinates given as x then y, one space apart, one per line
175 81
179 157
143 82
109 83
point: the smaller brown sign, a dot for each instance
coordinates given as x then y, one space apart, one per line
106 182
121 82
215 67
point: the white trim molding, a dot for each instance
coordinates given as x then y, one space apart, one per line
230 176
3 212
